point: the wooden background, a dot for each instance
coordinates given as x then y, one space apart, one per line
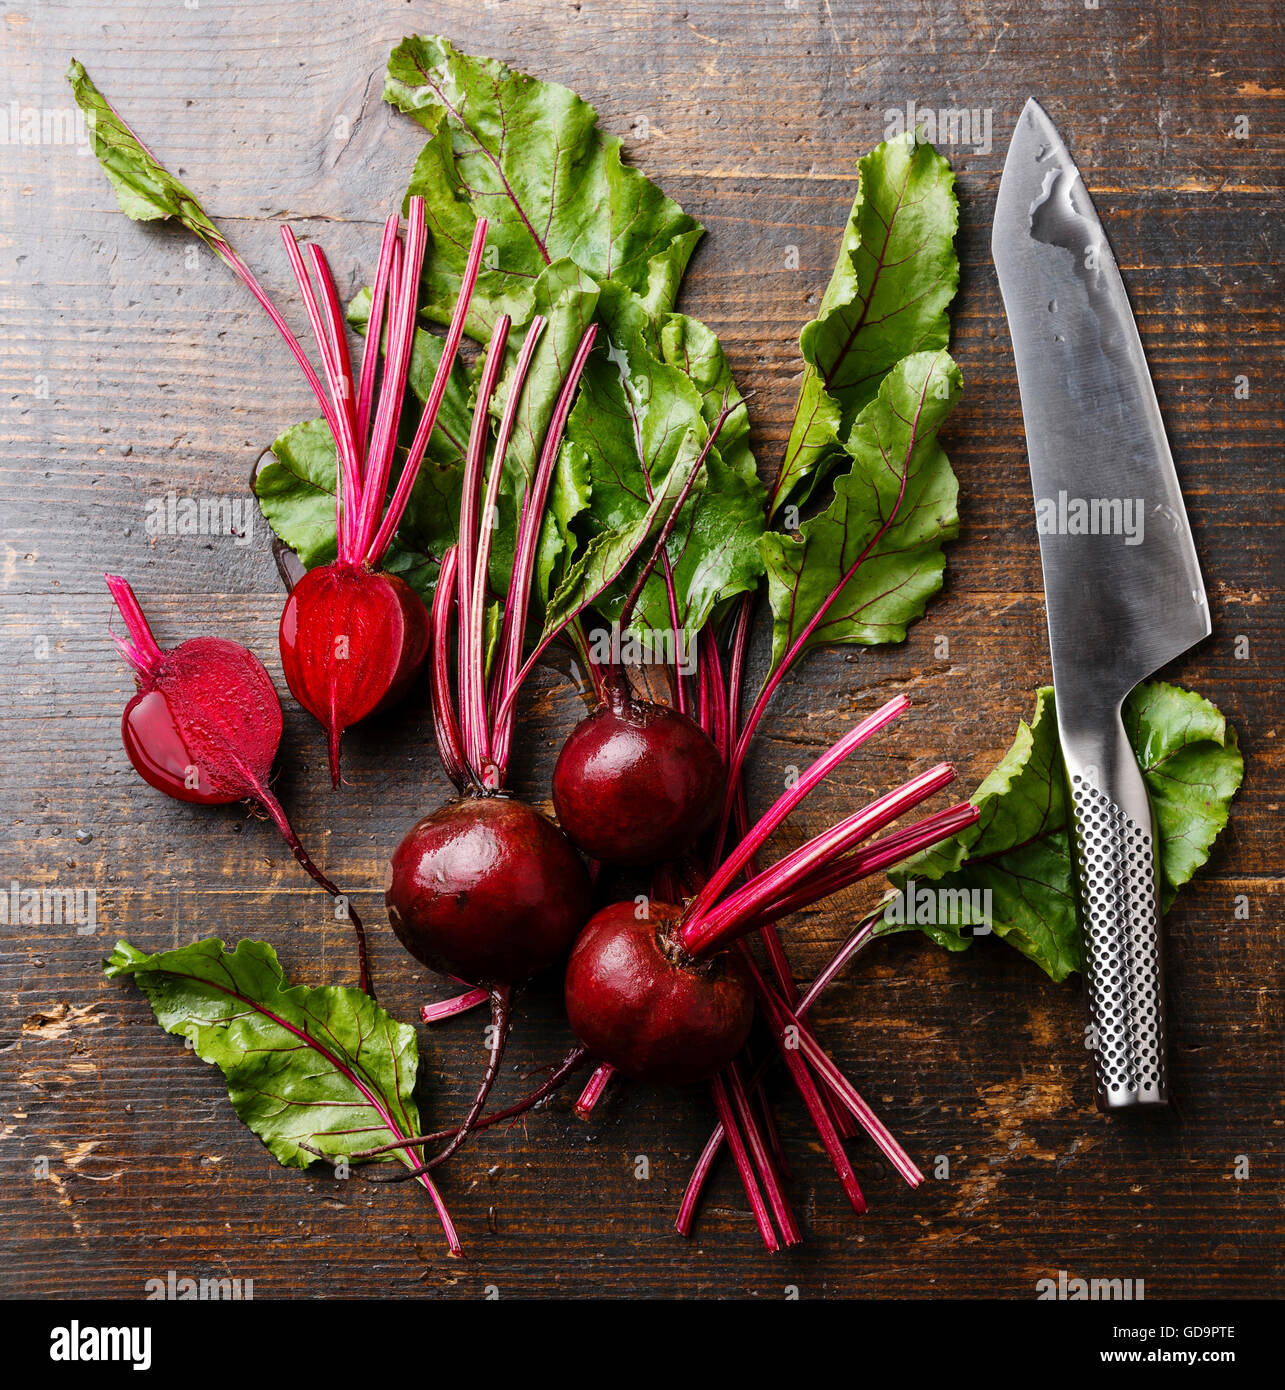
131 367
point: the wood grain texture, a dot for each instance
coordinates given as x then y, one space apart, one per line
129 367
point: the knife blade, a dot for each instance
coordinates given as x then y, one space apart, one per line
1122 583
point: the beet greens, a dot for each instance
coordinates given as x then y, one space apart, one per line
589 481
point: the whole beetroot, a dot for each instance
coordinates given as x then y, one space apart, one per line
637 783
636 999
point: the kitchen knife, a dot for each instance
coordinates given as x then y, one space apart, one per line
1121 579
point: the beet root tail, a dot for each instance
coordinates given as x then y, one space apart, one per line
501 1018
333 734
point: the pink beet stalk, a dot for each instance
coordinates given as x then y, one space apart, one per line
706 931
446 724
862 863
762 1160
868 860
696 1183
472 676
786 803
513 628
472 722
485 888
482 699
794 1036
744 1167
856 942
353 639
593 1090
375 330
448 1008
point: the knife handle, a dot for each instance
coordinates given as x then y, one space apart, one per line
1113 849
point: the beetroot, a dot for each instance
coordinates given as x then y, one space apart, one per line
637 783
352 642
353 639
658 996
487 890
205 727
637 1000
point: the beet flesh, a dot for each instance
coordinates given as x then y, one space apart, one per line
487 890
635 999
636 783
205 724
352 641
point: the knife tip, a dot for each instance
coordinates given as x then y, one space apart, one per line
1033 108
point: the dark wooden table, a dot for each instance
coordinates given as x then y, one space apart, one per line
133 366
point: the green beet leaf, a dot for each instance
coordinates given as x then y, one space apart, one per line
1019 849
325 1067
530 157
688 344
144 188
888 297
638 416
862 570
606 558
567 298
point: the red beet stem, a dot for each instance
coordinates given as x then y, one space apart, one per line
234 262
715 711
593 1090
336 337
375 332
446 726
513 630
501 1000
343 386
862 935
471 681
374 552
141 649
784 804
348 487
763 1162
842 1121
490 504
815 1103
869 1121
767 1117
795 1036
501 1017
734 916
403 291
744 1167
871 859
569 1065
696 1183
448 1008
274 809
860 938
771 940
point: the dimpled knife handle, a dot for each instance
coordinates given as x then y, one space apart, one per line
1117 898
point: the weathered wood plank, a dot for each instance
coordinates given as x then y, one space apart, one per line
129 368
